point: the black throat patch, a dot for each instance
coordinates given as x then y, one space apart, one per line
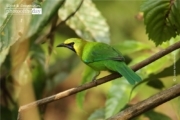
71 46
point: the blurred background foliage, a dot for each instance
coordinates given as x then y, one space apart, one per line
33 68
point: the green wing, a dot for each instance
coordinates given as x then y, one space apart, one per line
124 70
94 52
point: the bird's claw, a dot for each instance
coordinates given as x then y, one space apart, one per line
94 81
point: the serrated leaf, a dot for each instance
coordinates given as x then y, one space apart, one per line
88 22
158 10
161 20
153 22
148 5
117 97
174 16
49 9
153 115
97 115
156 84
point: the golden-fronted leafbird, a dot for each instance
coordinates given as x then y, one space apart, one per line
101 57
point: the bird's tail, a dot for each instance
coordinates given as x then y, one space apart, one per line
127 72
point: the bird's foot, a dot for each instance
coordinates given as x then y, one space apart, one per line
94 81
94 78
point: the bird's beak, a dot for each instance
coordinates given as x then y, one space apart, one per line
61 45
70 46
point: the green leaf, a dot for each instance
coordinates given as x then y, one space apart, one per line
153 115
162 19
88 22
80 97
158 65
10 32
4 5
127 46
117 97
168 71
38 22
174 15
176 106
88 76
156 84
39 75
6 38
97 115
12 29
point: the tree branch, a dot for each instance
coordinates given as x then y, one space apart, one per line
148 104
99 81
71 15
55 27
64 21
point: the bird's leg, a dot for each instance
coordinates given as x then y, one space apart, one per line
94 78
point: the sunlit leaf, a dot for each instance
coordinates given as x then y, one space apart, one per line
130 46
13 28
6 33
171 42
117 97
4 5
176 105
88 76
169 71
88 22
158 65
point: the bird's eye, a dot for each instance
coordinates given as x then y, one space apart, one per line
71 44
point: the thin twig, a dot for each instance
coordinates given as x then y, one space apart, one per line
148 104
101 80
54 28
64 21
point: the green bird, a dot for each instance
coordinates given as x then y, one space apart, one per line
101 57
